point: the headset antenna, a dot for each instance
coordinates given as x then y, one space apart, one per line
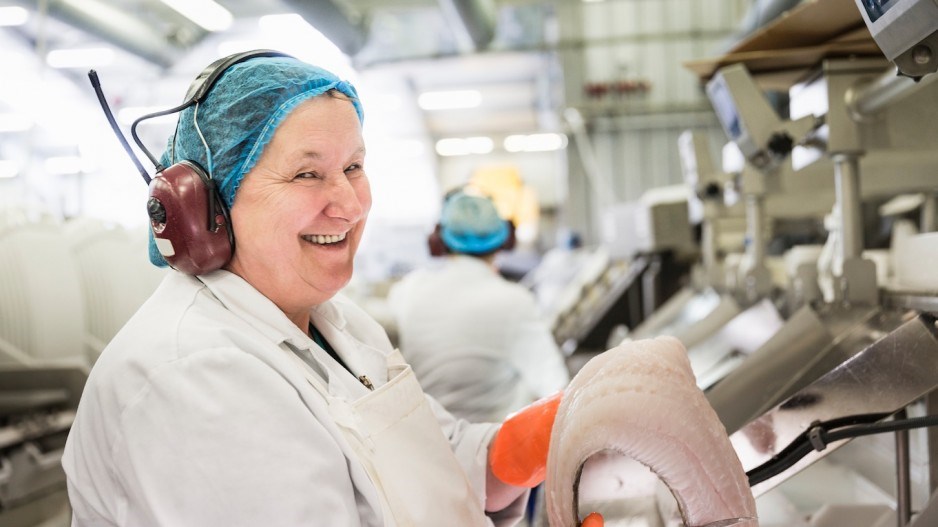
93 76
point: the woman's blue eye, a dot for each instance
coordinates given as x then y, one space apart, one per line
306 175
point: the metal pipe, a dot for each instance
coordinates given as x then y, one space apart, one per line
603 191
931 408
708 243
867 99
755 219
117 26
847 192
929 219
903 478
650 288
475 17
327 17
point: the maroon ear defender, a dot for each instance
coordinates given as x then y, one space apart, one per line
190 223
511 241
435 242
188 218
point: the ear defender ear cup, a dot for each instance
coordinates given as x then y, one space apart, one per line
511 240
190 223
435 242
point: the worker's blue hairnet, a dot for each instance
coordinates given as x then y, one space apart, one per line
471 225
239 116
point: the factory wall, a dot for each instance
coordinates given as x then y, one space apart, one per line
626 78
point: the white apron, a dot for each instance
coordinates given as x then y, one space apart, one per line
399 442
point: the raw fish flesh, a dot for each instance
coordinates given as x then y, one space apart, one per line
641 400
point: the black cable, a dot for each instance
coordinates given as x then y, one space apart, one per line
879 428
820 435
780 463
133 130
96 84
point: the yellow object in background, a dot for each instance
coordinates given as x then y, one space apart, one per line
514 200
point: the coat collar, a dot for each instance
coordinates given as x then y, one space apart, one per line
242 299
248 304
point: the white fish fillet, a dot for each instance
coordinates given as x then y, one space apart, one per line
641 399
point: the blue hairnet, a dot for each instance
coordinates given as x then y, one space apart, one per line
239 116
471 225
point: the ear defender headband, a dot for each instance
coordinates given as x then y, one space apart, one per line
188 219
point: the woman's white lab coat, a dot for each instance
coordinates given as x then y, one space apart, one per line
477 342
197 414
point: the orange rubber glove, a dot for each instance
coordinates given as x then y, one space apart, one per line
518 455
593 520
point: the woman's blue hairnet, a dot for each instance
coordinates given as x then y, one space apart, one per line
471 225
239 116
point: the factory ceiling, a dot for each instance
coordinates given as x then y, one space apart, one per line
494 48
504 50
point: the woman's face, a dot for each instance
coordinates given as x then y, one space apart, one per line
299 214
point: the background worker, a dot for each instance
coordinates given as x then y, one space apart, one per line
477 342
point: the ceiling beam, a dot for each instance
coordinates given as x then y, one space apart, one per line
475 18
119 27
332 22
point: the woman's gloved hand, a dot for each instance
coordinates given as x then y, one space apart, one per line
518 455
593 520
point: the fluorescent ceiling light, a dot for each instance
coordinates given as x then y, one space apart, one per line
449 100
80 58
535 142
9 169
206 13
15 122
13 16
458 146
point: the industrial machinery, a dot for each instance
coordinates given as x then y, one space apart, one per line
906 31
37 407
861 359
856 294
646 249
722 232
736 304
66 290
700 314
871 351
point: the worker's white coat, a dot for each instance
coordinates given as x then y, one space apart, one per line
198 414
477 342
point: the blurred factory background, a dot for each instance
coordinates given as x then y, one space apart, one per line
751 176
451 89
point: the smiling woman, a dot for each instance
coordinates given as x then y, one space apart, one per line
309 186
248 390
